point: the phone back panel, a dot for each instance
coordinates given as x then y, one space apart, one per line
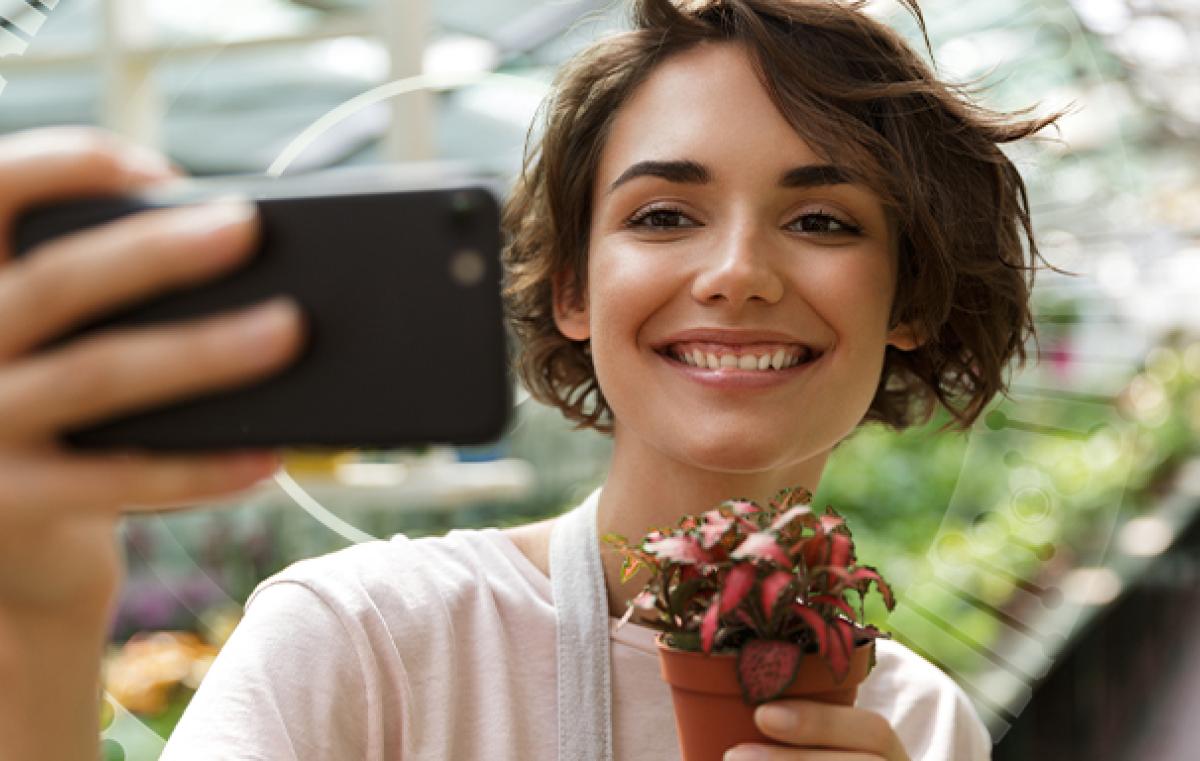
406 345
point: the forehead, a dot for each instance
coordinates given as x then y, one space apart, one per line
706 103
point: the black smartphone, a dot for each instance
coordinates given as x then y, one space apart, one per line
398 274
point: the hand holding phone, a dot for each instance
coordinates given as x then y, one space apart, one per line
60 564
398 275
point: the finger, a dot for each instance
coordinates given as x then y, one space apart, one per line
121 371
65 281
53 163
40 486
826 725
776 753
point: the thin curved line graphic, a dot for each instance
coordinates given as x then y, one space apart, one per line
384 91
318 511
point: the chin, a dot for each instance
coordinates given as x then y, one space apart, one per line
728 443
737 453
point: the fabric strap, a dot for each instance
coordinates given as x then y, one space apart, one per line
584 678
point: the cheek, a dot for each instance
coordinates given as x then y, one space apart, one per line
627 285
627 288
853 296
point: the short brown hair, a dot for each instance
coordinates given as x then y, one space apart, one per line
853 89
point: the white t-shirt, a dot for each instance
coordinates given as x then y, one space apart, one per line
445 648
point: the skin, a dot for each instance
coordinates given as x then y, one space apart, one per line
60 561
733 252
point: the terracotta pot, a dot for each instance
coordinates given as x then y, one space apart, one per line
710 715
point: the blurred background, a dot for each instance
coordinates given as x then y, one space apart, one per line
1047 560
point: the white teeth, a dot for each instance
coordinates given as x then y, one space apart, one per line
780 360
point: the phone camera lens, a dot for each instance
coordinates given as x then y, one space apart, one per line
467 267
462 209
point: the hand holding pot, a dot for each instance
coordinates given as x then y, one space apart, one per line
821 732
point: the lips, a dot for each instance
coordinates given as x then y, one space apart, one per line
737 341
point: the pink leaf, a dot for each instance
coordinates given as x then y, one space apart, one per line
815 551
793 495
718 554
748 527
765 668
679 549
708 626
762 546
793 512
771 590
830 522
742 508
714 527
737 584
837 602
816 624
842 645
841 574
868 574
841 552
645 600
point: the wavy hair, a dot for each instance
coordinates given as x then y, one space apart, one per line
855 90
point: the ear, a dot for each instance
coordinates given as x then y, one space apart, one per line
570 309
905 337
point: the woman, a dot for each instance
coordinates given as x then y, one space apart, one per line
729 186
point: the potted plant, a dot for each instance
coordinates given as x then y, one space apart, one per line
753 604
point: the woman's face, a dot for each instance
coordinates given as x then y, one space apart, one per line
718 235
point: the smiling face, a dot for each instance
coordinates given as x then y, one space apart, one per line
719 237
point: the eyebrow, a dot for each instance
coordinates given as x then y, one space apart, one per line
693 173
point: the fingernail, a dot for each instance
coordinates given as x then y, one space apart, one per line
211 216
774 717
262 325
745 753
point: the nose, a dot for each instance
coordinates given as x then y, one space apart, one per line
740 267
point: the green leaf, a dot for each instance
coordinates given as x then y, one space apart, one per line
682 594
684 641
629 568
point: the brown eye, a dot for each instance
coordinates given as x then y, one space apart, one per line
823 224
660 219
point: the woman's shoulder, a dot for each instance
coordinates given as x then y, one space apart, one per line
897 667
931 713
400 573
